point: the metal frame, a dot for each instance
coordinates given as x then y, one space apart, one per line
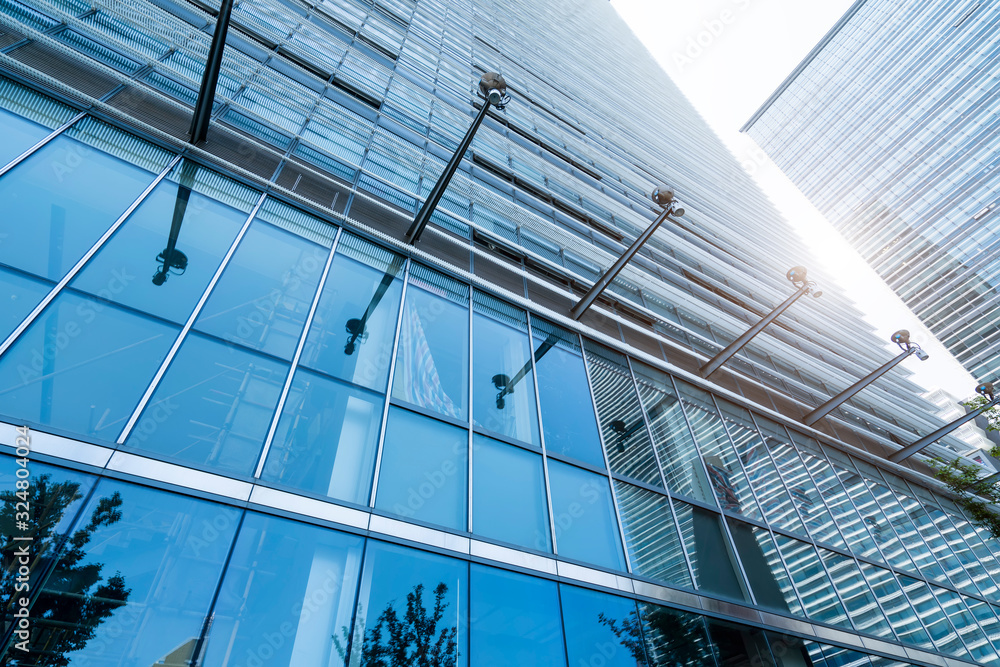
389 380
182 335
541 436
388 394
76 268
663 477
262 458
42 143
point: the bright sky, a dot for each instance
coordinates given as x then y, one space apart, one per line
728 56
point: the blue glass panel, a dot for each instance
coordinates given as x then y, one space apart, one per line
601 629
725 471
503 390
626 438
897 609
795 475
19 134
568 419
287 597
765 572
715 568
811 580
942 633
326 439
675 637
651 537
425 594
71 193
129 267
139 573
19 293
262 299
790 651
82 366
513 620
508 495
212 408
972 636
424 470
586 528
861 605
760 470
678 455
432 362
356 293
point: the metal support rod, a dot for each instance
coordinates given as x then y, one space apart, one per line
737 345
210 79
910 450
543 348
356 327
827 407
424 216
171 257
583 304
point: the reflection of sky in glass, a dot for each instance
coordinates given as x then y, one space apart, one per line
424 470
514 620
326 439
288 592
508 495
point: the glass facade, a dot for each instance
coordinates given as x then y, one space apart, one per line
887 128
260 430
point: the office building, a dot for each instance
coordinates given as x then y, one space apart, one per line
889 128
259 428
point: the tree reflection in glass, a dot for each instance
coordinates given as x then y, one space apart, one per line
413 640
411 611
659 636
65 622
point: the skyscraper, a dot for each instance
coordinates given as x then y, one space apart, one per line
250 425
889 127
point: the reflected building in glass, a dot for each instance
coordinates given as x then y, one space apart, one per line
261 429
888 126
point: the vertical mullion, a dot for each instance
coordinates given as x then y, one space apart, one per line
659 465
541 436
777 469
469 462
295 358
41 143
207 624
189 323
388 390
33 315
739 461
722 516
604 454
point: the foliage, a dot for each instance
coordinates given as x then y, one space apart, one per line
992 415
64 621
411 641
664 636
974 494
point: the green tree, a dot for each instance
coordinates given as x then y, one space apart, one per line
992 415
411 641
72 599
974 494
